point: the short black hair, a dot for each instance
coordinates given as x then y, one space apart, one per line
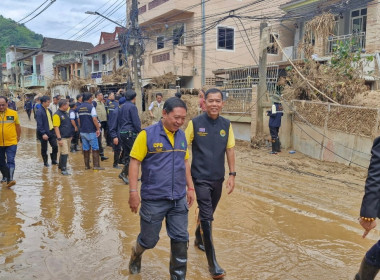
130 94
213 90
118 96
3 97
44 98
86 96
158 94
72 105
62 102
174 102
96 94
57 97
79 96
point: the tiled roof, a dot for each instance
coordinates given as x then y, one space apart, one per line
109 41
59 45
103 47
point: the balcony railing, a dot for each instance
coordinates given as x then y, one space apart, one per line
34 81
357 41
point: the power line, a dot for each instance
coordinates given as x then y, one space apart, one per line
44 9
33 11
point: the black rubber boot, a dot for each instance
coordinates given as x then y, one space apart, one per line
103 157
63 161
198 237
11 182
53 157
278 145
178 260
72 148
273 152
95 160
215 270
45 159
60 162
116 155
5 172
366 271
124 174
86 157
135 261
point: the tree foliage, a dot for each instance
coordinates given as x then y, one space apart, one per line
13 33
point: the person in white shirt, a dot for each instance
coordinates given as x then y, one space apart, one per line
155 108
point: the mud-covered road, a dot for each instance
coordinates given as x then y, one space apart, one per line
290 217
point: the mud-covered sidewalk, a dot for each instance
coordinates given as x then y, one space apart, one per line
290 217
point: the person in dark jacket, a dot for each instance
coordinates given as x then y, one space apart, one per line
369 211
161 151
114 129
129 126
64 131
212 139
46 132
275 116
28 107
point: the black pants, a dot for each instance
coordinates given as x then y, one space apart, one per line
274 132
208 196
29 112
75 139
127 140
53 143
106 132
101 150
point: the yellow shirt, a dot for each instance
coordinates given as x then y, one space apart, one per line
49 119
190 135
8 121
140 149
56 120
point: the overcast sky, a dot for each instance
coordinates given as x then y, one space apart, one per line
66 19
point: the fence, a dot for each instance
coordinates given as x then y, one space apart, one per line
238 84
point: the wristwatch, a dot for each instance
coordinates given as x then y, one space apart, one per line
232 173
59 139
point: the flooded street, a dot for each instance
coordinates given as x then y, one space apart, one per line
290 217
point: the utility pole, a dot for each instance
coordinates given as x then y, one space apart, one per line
262 88
1 70
136 50
203 72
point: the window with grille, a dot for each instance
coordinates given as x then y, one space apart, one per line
272 49
160 42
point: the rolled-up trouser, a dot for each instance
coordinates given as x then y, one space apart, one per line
208 195
64 149
153 212
127 139
89 141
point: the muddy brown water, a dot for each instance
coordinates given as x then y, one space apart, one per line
289 217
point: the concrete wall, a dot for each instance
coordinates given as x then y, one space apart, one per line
341 134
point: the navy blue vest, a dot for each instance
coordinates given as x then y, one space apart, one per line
86 123
163 168
209 147
66 128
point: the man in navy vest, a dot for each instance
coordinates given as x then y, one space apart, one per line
89 131
212 138
161 151
45 131
64 130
